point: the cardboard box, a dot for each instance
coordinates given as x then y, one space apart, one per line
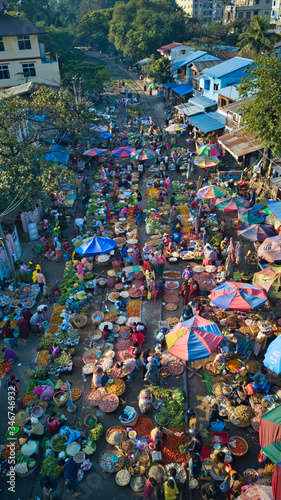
156 456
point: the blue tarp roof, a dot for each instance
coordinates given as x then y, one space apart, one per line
169 85
58 157
226 67
189 59
276 209
207 122
183 89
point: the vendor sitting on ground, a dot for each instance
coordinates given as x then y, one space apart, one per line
145 400
194 443
106 333
245 347
34 428
195 465
97 377
187 313
54 351
214 416
9 355
194 289
158 435
261 381
53 423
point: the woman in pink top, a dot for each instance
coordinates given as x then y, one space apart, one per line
161 261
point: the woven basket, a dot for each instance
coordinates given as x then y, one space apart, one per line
97 333
84 309
60 403
97 322
81 323
91 415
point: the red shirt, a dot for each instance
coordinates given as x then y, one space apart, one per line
53 425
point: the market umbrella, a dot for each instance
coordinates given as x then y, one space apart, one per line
175 127
254 232
276 482
105 135
99 128
123 152
229 205
143 154
94 152
206 162
194 339
95 246
270 249
238 296
272 358
270 280
209 150
270 434
211 192
250 217
257 492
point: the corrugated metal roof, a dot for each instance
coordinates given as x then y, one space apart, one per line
227 67
206 122
230 92
189 110
183 89
170 46
200 65
202 101
239 143
277 182
12 26
169 85
189 59
227 55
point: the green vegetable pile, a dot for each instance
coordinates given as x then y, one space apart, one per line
23 459
96 432
50 467
31 386
58 443
173 404
162 418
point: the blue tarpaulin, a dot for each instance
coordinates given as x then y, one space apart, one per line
272 359
275 208
57 157
95 246
183 89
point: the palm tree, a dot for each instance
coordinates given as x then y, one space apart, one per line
256 37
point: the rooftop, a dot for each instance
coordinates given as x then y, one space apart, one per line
13 26
231 92
189 59
239 143
166 48
182 89
237 106
208 122
227 55
227 67
202 101
200 65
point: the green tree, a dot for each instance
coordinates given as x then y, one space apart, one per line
23 168
160 70
261 115
139 27
256 37
93 28
87 6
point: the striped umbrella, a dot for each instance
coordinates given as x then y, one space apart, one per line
209 150
143 154
94 152
123 152
206 162
231 204
175 127
211 192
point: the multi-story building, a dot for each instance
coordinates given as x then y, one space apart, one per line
246 9
22 57
208 10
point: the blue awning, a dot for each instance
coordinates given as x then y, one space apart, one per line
183 89
206 123
276 210
169 85
57 157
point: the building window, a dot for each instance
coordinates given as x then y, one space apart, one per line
24 42
4 72
256 2
2 48
248 15
28 69
216 86
240 15
256 12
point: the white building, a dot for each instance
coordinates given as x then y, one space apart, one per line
22 57
209 10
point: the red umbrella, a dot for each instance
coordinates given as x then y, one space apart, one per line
94 152
276 482
123 152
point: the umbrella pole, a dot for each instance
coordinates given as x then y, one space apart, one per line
193 371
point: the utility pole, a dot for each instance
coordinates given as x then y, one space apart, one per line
10 260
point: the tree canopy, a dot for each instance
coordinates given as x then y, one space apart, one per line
23 167
256 38
261 115
138 27
93 28
160 70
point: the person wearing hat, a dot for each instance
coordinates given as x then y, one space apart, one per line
145 399
187 273
152 371
36 429
158 435
11 385
36 323
193 422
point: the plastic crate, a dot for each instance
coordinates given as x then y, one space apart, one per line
221 437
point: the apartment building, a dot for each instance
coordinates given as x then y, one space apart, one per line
209 10
246 9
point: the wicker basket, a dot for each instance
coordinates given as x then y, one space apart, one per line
81 323
95 333
127 477
52 442
111 316
130 424
97 322
120 429
113 450
91 415
233 452
84 309
60 403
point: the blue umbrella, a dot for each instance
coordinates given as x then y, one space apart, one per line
105 135
95 246
272 359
